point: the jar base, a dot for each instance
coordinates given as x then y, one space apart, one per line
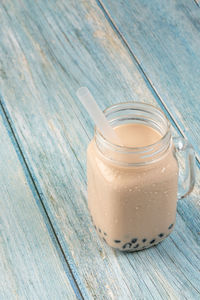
134 244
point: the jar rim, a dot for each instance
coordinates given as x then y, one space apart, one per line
128 149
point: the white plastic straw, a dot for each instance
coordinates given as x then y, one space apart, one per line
97 115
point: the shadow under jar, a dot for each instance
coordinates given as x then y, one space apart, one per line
132 191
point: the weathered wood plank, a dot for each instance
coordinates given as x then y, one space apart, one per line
164 37
31 264
197 2
56 47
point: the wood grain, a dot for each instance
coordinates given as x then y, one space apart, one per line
197 2
48 50
164 38
30 265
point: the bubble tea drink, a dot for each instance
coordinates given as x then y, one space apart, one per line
132 187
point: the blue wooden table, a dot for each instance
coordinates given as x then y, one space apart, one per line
140 50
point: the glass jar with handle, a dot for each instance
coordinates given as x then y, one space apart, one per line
133 188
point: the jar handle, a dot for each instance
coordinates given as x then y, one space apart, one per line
186 184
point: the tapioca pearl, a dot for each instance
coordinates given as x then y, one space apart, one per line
144 240
104 239
161 235
152 241
127 245
117 241
95 227
105 233
144 247
170 226
133 241
136 246
99 230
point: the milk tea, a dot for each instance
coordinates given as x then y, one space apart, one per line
133 207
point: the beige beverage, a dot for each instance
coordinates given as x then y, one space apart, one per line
132 189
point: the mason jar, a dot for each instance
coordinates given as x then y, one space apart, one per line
133 191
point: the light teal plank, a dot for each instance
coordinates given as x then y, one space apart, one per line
30 267
197 2
164 37
56 47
